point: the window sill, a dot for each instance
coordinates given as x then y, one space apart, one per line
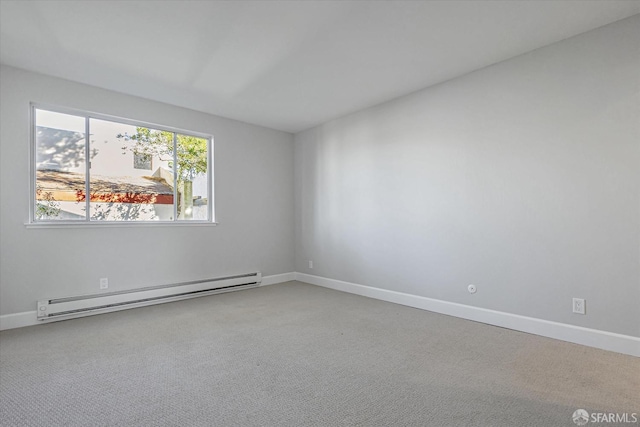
118 224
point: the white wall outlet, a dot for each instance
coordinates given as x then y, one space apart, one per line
579 306
104 283
472 289
310 264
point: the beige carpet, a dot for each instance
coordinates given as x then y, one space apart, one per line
299 355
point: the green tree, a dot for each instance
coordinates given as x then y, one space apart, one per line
46 205
191 159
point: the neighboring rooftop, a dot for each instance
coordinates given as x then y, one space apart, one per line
70 186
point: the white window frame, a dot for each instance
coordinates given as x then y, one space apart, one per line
87 222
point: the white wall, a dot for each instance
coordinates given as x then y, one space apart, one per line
522 178
253 200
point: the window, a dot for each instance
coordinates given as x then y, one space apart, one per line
97 169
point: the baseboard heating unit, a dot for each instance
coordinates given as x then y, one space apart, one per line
85 305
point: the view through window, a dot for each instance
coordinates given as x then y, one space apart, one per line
120 172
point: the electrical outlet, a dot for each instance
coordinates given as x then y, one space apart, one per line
310 264
104 283
579 306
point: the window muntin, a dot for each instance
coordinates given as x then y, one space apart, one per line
118 190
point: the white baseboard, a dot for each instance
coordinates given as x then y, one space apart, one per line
18 320
278 278
590 337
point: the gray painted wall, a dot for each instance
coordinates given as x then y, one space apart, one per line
253 198
522 178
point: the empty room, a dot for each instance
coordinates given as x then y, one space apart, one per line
319 213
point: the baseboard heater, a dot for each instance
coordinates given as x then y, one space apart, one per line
85 305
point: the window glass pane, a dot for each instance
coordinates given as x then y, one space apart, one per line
135 173
193 178
60 166
131 173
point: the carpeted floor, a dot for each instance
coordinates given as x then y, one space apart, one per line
299 355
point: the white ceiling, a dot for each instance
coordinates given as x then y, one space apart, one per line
282 64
